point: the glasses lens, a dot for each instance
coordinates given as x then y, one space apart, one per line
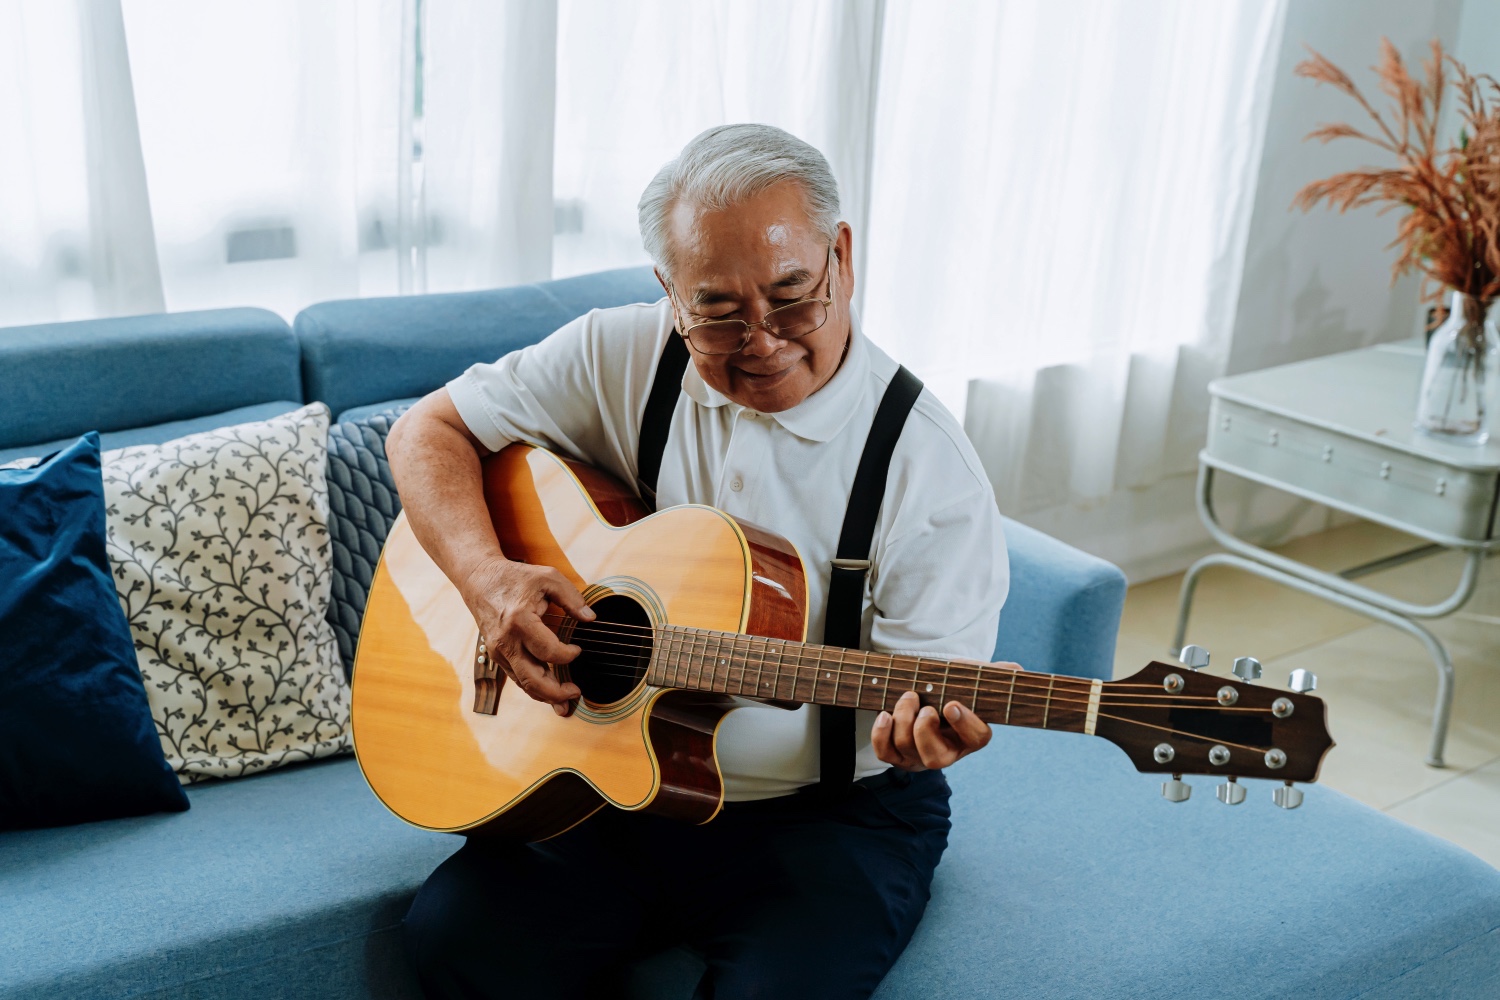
798 319
718 338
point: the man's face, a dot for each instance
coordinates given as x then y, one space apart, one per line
744 261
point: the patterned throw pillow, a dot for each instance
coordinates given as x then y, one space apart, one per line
219 546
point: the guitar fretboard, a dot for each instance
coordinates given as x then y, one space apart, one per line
778 670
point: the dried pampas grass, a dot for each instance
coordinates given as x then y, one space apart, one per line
1451 231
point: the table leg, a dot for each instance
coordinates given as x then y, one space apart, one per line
1442 710
1361 600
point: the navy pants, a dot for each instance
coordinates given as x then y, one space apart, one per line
783 898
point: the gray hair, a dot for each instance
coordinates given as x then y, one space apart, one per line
726 165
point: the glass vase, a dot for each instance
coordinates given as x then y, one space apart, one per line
1460 379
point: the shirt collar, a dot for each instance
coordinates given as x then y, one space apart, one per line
819 417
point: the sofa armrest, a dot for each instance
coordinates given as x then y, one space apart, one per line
1063 612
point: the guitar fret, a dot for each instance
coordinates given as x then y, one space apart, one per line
838 680
776 681
860 698
760 669
916 671
974 700
1047 706
1010 696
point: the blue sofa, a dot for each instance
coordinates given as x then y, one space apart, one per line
1067 875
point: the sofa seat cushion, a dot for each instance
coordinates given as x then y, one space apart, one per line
286 884
1068 877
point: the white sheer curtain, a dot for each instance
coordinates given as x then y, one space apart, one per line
1050 197
1061 200
636 81
76 235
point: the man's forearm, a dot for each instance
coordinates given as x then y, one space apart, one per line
437 471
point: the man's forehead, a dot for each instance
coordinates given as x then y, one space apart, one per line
716 284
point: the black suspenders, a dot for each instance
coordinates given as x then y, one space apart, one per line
846 587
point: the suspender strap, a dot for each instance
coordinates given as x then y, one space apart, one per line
846 585
656 423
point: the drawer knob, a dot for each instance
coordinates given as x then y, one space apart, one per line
1328 453
1385 470
1274 437
1442 486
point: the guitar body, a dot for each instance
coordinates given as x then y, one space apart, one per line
447 743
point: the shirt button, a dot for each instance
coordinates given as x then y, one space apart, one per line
737 484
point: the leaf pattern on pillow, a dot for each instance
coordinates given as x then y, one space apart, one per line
220 551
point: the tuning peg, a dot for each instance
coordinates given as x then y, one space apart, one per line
1194 656
1287 796
1176 790
1302 681
1247 668
1231 793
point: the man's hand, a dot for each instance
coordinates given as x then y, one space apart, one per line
508 600
914 738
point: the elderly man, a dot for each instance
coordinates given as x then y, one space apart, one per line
813 877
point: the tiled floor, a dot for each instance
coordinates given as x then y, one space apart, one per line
1379 683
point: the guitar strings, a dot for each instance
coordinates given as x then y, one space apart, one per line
656 633
979 683
622 660
1058 698
994 685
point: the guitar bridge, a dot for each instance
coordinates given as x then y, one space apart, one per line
487 680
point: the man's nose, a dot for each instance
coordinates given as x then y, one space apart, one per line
761 343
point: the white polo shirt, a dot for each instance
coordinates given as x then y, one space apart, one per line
940 571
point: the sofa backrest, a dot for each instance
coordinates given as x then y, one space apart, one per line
361 351
62 379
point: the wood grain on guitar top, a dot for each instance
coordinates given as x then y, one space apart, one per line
524 772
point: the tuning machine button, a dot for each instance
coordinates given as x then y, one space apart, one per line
1302 681
1287 796
1247 668
1231 793
1176 790
1195 657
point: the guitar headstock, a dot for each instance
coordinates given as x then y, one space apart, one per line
1175 720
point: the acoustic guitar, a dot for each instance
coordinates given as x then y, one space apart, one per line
695 609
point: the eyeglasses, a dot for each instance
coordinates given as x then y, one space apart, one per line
788 322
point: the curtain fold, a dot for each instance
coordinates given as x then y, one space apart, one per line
1069 184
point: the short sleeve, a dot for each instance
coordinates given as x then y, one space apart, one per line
941 581
578 392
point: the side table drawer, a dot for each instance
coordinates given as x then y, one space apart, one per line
1353 474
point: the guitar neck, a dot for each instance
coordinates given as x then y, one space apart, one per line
778 670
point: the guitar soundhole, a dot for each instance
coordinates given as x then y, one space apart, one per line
616 650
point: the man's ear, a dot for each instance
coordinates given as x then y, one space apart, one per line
662 281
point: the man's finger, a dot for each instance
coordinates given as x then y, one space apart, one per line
904 715
880 739
972 731
934 746
537 681
543 644
566 596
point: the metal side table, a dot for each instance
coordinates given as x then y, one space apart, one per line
1338 430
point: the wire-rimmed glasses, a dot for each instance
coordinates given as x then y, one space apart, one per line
789 322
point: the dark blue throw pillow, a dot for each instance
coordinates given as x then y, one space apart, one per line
76 738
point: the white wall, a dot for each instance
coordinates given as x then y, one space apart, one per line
1314 284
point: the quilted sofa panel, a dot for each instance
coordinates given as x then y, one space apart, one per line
362 506
62 379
